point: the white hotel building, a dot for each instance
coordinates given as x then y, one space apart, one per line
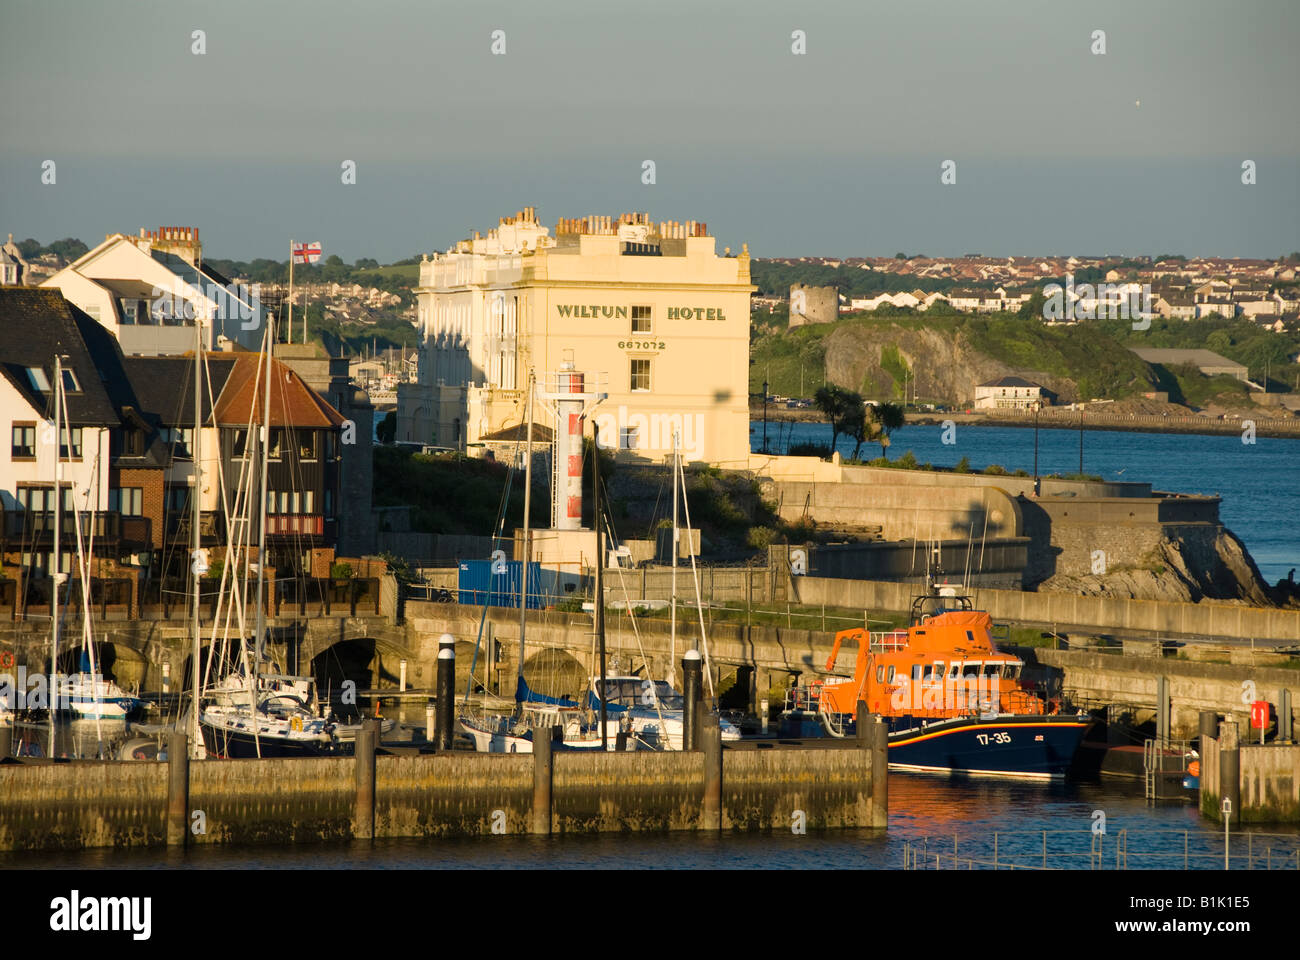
651 309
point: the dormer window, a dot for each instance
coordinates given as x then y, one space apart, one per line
70 382
38 380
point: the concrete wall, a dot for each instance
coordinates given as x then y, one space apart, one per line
900 509
58 806
291 800
1193 687
995 563
414 798
1269 783
1103 614
74 805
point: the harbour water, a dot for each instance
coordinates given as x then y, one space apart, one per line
927 813
1259 482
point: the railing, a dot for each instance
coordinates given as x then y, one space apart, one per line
31 596
889 642
298 523
1086 850
177 525
36 527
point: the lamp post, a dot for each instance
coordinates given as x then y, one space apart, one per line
1081 441
1035 448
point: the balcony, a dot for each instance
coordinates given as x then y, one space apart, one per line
34 530
211 527
295 524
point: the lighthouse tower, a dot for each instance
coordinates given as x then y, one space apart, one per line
571 395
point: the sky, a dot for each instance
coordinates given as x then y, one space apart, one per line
836 151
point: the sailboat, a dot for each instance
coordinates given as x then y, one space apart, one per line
255 710
653 711
86 694
513 732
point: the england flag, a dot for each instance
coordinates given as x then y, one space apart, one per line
306 252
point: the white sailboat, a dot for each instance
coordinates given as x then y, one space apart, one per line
653 710
256 710
513 732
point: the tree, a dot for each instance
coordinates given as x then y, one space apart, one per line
858 426
839 406
888 418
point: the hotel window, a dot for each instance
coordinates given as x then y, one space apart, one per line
641 319
277 443
640 374
24 441
70 382
128 501
306 444
628 438
238 443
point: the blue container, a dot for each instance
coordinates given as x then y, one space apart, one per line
477 585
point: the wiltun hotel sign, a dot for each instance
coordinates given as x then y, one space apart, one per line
596 311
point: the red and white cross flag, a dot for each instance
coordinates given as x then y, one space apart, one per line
306 252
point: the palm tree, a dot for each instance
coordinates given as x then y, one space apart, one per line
840 406
888 418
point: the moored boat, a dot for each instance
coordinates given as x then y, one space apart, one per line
952 702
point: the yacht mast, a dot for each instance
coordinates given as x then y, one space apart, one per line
523 579
196 451
58 532
261 523
600 583
672 659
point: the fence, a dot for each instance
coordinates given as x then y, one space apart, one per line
1085 850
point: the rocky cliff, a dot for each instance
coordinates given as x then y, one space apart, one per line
946 359
1185 569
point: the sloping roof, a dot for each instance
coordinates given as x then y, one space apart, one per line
541 433
1202 358
1011 382
36 324
293 403
164 386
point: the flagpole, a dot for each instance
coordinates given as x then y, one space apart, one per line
290 326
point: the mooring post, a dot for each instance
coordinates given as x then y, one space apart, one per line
1209 724
6 741
879 773
1162 711
446 696
1284 724
711 743
691 667
430 719
543 773
866 736
364 810
1230 768
178 788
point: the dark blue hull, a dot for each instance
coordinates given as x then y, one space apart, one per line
1030 747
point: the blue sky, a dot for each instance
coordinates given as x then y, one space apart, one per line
834 152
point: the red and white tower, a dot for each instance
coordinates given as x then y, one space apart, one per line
570 395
